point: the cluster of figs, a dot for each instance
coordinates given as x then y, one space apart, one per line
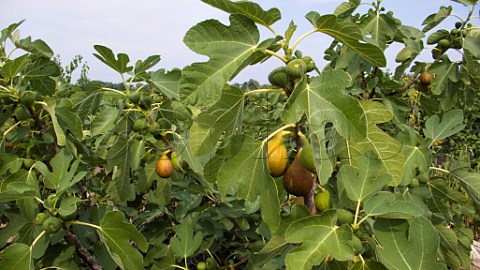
299 176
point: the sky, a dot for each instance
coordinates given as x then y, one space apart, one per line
142 28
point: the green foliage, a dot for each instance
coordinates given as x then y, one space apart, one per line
398 159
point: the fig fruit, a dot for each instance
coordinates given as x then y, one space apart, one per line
306 156
40 218
134 97
278 77
140 124
426 78
323 201
277 154
344 217
296 68
52 224
164 166
175 163
297 180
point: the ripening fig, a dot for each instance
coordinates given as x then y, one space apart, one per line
297 180
426 78
277 154
164 166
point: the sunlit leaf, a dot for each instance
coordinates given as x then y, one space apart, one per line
365 181
407 246
418 155
319 237
249 9
228 47
472 42
388 205
379 28
435 19
350 35
118 63
451 123
385 147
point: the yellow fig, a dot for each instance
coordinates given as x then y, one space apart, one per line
277 154
297 180
164 166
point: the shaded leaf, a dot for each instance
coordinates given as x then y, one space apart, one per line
17 257
167 81
222 119
418 155
470 181
185 242
64 173
117 233
37 46
472 42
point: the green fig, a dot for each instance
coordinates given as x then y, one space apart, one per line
306 156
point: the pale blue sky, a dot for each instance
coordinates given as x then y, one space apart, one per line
141 28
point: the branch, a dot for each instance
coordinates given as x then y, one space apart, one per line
82 251
406 87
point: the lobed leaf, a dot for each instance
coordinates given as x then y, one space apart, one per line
228 48
451 123
185 243
319 237
350 35
250 9
117 233
222 119
407 246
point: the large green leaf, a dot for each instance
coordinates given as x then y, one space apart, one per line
119 159
19 185
37 46
244 174
185 243
319 237
470 181
228 48
167 81
49 106
445 73
325 100
222 119
381 28
11 68
104 122
451 123
385 147
249 9
64 173
395 206
106 55
403 246
365 181
117 235
17 257
435 19
472 42
418 155
350 35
